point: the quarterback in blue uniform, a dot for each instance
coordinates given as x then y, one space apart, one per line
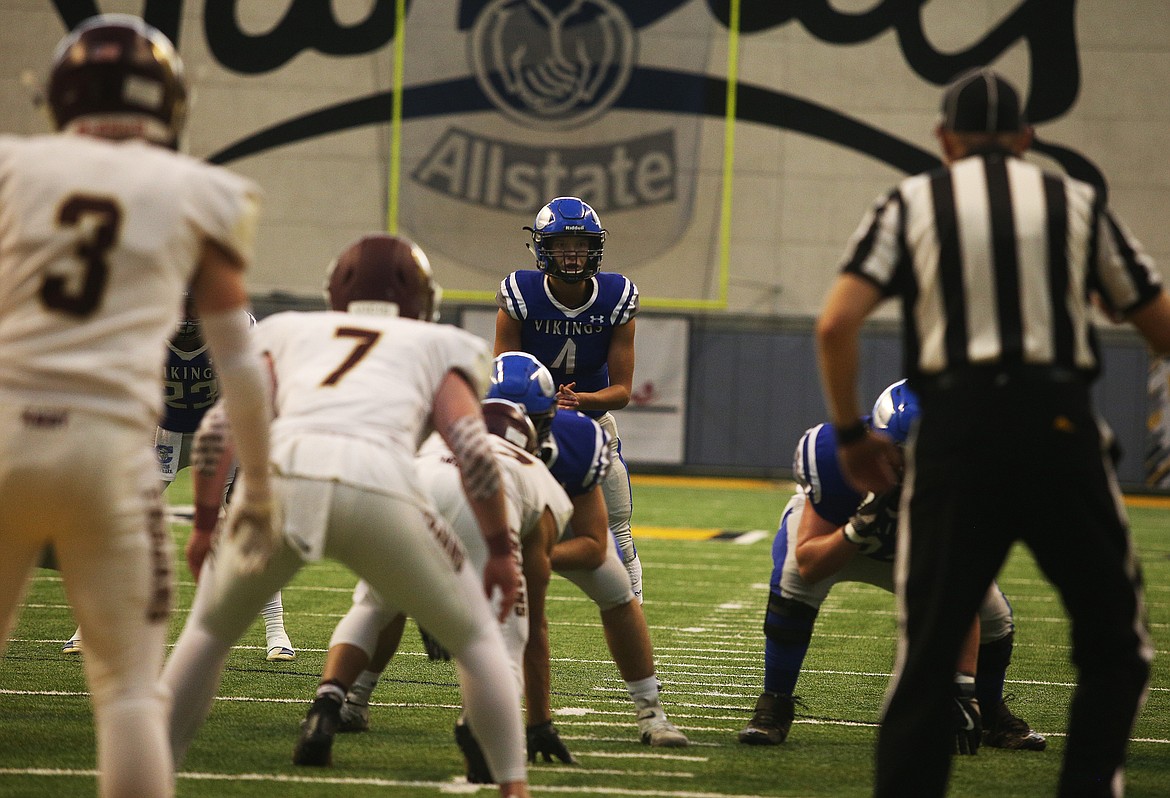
830 533
579 322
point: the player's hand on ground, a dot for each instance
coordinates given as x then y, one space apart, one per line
251 526
545 741
567 398
501 581
968 726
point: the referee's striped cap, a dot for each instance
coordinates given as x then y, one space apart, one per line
981 101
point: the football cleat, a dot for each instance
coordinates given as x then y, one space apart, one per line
655 729
771 722
1002 729
315 744
478 771
281 654
72 645
355 717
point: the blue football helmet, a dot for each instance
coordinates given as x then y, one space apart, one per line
567 218
895 410
521 378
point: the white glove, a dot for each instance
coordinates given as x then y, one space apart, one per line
252 529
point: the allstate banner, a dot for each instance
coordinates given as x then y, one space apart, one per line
1158 453
507 104
653 425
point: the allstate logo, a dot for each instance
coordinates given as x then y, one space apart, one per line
552 68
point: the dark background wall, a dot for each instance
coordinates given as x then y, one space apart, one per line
754 389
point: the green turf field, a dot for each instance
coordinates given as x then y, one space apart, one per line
704 601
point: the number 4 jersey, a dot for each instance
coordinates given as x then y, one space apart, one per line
98 240
572 342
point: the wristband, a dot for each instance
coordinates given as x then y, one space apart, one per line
851 535
851 433
500 546
205 518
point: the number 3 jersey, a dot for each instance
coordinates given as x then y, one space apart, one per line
572 342
98 240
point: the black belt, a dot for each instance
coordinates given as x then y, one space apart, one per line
999 376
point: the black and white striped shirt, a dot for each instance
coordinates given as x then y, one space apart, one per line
995 260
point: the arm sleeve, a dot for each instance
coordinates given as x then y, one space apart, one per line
245 393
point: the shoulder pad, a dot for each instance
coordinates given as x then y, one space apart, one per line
582 452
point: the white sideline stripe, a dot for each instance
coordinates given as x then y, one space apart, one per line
567 724
454 786
615 755
611 771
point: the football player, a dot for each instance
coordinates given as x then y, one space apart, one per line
103 227
825 537
190 388
579 322
356 390
368 635
577 451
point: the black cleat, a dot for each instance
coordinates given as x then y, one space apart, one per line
1002 729
478 771
771 722
315 745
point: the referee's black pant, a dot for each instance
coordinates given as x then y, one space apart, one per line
1001 457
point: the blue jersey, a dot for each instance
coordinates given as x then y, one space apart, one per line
580 453
817 470
572 342
189 387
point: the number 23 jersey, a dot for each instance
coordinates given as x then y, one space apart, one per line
573 343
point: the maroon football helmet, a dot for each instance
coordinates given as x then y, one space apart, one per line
509 421
117 77
383 274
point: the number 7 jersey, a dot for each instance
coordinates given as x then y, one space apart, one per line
573 343
362 376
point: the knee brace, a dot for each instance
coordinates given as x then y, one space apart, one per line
789 622
788 628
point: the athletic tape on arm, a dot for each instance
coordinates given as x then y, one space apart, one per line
241 380
469 442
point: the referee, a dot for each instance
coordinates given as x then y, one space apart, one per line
997 264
